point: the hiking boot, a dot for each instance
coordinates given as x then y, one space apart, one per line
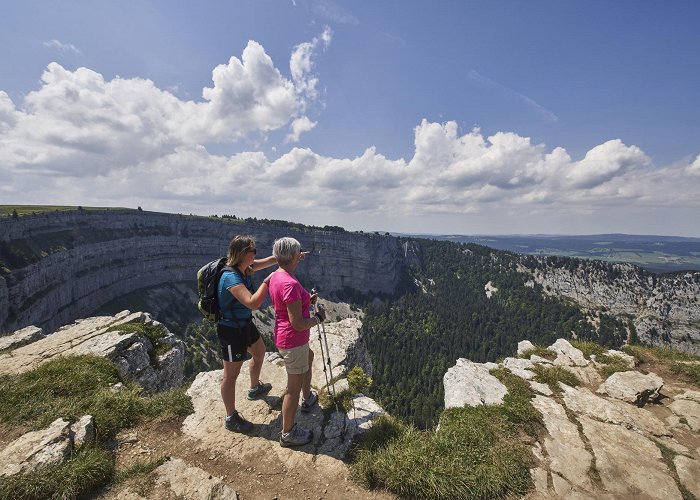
296 437
308 403
236 423
258 391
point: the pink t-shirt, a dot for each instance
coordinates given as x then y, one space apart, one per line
285 289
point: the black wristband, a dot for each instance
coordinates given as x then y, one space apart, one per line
318 317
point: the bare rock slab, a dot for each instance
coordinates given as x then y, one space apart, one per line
688 411
471 384
633 387
628 463
20 338
566 450
582 401
689 473
524 346
37 449
192 482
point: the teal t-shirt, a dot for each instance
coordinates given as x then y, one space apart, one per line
238 315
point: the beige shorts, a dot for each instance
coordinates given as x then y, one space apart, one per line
296 359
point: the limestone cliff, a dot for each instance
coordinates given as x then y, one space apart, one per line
664 309
59 266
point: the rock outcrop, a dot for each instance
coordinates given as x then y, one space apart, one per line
59 266
132 352
633 437
44 447
664 309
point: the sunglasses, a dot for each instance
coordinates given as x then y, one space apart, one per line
253 250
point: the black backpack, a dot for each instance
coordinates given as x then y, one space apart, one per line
208 278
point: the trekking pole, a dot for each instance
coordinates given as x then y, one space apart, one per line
323 356
326 360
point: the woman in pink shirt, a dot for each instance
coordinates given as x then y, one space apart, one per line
292 324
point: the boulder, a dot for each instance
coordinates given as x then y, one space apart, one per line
524 346
520 367
191 482
20 337
633 387
37 449
471 384
540 388
567 355
83 431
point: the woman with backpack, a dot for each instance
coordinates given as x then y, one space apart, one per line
292 329
239 337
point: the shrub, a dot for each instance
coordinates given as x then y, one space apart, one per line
358 380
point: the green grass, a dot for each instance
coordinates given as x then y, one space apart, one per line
540 351
85 470
476 453
552 375
613 364
75 386
587 347
683 364
69 388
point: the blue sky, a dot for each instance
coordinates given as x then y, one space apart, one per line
456 117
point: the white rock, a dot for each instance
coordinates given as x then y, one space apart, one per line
633 387
689 473
37 449
540 360
690 395
83 431
540 388
688 410
567 453
520 367
193 483
539 479
567 355
616 450
471 384
21 337
582 401
524 346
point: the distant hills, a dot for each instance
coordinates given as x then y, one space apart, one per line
660 254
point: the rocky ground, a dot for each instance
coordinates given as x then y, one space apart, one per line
634 434
196 456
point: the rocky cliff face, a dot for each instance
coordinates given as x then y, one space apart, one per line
664 309
59 266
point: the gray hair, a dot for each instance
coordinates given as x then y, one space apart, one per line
283 249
